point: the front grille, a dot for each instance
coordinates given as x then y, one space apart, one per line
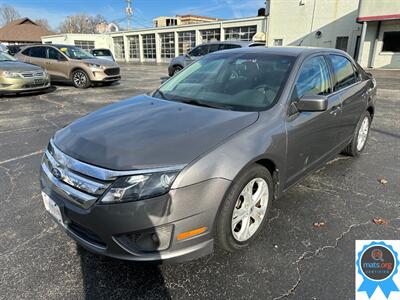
32 74
112 71
75 186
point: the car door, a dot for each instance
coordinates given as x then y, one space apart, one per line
353 93
311 136
37 56
57 64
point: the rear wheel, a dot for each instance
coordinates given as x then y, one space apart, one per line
80 79
245 207
360 137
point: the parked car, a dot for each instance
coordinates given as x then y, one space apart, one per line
70 63
16 77
179 62
199 160
103 53
13 49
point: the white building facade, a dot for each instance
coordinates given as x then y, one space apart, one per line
369 30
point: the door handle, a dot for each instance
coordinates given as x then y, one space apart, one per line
334 110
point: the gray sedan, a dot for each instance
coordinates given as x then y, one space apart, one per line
199 161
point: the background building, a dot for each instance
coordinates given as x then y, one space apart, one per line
380 34
182 20
369 30
22 31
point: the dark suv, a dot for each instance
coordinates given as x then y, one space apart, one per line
179 62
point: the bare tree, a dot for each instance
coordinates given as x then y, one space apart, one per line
81 23
44 23
8 14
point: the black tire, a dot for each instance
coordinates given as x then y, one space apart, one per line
352 149
80 79
176 70
224 237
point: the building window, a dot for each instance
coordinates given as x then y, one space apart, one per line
85 45
149 46
210 35
119 47
186 41
341 42
278 42
245 33
167 45
134 51
391 41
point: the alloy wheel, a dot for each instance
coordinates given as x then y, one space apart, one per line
80 79
362 134
250 209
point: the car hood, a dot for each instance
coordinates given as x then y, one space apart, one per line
17 66
145 132
99 61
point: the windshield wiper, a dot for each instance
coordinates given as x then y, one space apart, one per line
205 104
161 94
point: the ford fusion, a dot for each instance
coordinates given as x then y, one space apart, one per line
198 161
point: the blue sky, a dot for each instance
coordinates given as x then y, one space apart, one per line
144 10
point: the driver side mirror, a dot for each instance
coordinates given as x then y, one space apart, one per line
312 103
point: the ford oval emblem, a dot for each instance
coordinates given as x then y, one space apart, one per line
56 173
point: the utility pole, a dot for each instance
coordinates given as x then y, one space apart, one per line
267 20
129 12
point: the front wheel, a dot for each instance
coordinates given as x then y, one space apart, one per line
245 207
360 136
80 79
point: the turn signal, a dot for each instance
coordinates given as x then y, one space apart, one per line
188 234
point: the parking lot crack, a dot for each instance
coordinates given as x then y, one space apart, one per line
311 254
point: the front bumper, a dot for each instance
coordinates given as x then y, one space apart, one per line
106 75
101 227
17 85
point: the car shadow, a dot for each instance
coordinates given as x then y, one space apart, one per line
108 278
50 89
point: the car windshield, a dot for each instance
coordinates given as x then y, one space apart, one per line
75 52
6 57
240 81
101 52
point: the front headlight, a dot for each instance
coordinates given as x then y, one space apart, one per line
8 74
96 66
139 187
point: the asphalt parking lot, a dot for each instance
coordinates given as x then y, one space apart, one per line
292 258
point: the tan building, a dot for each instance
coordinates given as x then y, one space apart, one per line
23 31
380 37
182 20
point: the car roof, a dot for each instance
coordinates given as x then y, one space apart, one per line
288 50
239 43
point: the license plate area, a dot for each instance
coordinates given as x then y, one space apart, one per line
52 207
39 81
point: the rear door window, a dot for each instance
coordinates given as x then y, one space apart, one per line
228 46
313 79
39 52
213 48
343 70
